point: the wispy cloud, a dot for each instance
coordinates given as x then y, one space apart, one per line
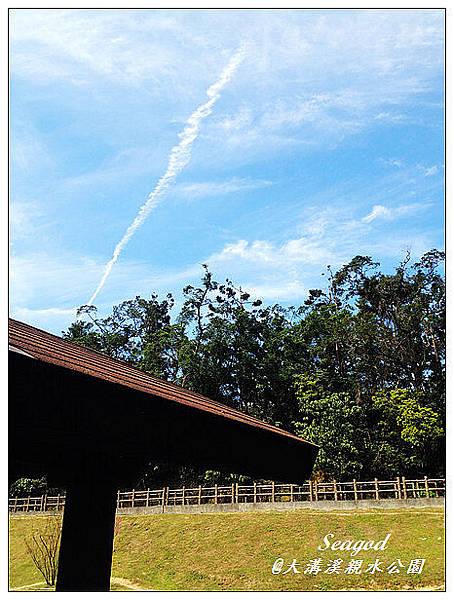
392 162
25 219
205 189
377 211
179 157
430 171
286 269
383 212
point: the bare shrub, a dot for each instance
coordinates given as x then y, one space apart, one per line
43 547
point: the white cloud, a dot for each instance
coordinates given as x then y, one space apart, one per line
390 117
377 211
382 212
28 150
237 121
392 162
220 188
25 219
430 171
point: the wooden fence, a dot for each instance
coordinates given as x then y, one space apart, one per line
399 488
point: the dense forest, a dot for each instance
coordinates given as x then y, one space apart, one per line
358 368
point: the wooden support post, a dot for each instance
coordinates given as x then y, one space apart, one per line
27 509
163 496
291 492
399 491
355 490
311 498
236 493
45 503
316 490
200 495
377 495
335 491
233 493
148 497
132 498
404 487
426 485
255 492
87 533
182 495
272 492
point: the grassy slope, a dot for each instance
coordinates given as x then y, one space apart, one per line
236 551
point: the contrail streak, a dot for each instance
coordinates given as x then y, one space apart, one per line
179 157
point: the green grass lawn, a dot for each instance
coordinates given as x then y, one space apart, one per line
237 551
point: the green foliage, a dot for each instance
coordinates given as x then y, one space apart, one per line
335 422
415 428
418 424
28 487
32 487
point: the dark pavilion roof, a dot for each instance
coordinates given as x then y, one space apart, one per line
49 348
70 397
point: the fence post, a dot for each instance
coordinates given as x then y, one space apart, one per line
335 490
183 495
147 502
404 486
163 497
291 492
233 493
27 508
310 491
236 493
316 491
45 503
355 490
377 495
273 499
215 493
399 490
255 492
426 485
200 495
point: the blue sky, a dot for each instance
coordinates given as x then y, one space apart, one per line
326 143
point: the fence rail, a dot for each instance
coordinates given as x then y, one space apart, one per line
398 488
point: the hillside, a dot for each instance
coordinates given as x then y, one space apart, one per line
237 551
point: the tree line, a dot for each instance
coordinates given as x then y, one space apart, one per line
358 368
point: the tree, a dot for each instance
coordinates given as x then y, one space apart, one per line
43 547
335 422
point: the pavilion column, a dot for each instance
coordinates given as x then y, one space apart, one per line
85 559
